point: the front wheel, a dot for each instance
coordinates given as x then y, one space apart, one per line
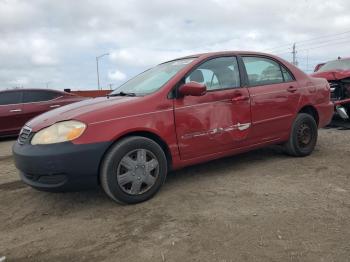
133 170
303 137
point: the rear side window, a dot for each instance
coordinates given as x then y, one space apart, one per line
10 98
286 75
38 96
218 73
262 71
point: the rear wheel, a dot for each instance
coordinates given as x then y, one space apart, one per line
133 170
303 137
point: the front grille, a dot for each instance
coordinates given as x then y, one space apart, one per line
333 85
335 89
24 135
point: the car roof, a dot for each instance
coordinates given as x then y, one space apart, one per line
222 53
32 89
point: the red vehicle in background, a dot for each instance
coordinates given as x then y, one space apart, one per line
318 66
18 106
337 73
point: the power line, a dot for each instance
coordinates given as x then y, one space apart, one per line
318 61
336 41
307 40
310 45
330 44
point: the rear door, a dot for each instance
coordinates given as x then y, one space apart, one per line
274 97
218 121
36 102
11 117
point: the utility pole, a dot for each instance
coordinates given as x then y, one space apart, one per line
97 69
294 53
98 74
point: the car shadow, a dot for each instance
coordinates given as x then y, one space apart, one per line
8 138
91 198
339 123
218 166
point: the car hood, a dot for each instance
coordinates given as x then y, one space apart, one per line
84 111
333 75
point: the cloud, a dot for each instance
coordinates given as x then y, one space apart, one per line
42 51
139 57
58 41
19 81
116 75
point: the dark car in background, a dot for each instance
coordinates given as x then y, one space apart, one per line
17 106
337 73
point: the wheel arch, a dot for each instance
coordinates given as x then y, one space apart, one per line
310 110
156 138
147 134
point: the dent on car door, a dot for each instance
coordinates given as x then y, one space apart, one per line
11 118
213 122
274 97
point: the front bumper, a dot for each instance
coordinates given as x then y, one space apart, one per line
59 167
341 102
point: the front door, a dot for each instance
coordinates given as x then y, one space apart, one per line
219 120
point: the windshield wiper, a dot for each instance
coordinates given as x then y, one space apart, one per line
122 94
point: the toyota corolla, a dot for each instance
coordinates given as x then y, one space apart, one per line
178 113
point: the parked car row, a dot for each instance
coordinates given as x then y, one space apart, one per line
19 106
179 113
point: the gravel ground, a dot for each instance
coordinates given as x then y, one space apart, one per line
5 148
259 206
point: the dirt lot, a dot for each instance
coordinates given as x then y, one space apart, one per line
260 206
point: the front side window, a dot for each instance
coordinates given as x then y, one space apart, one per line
262 71
10 98
31 96
216 74
153 79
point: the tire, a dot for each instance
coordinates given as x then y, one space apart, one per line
133 170
303 136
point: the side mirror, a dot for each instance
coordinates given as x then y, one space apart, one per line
192 89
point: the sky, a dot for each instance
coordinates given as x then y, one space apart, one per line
55 43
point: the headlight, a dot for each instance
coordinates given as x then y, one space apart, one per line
59 132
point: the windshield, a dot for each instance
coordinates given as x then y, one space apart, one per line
343 64
152 79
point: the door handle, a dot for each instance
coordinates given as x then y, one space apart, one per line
53 106
292 89
240 98
15 110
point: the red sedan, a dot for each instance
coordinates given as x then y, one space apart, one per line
20 105
179 113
